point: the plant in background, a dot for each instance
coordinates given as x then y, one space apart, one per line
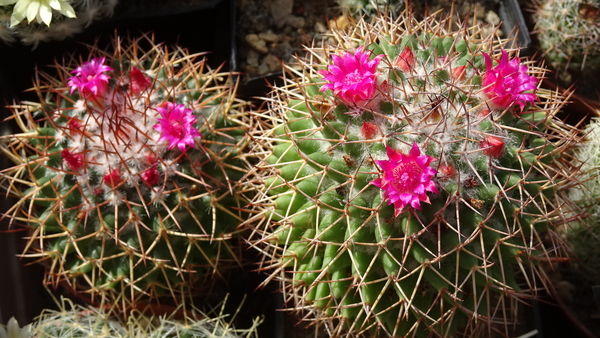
408 176
569 34
38 10
35 21
88 322
371 8
13 330
583 236
126 171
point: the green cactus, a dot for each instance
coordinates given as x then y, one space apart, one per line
569 34
118 199
88 322
470 171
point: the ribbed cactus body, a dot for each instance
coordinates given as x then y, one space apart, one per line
568 33
449 262
114 207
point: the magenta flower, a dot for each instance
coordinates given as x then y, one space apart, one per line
508 82
406 179
89 78
352 77
176 125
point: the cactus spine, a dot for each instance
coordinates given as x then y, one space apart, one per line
406 195
128 178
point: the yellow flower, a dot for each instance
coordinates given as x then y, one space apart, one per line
41 10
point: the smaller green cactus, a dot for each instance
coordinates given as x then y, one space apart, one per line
569 34
127 171
88 322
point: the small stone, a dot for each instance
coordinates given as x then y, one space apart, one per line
320 27
252 58
479 12
341 23
272 62
257 43
280 10
295 21
269 36
492 18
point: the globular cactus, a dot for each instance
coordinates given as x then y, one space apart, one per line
127 168
35 21
583 234
569 34
370 8
409 175
182 322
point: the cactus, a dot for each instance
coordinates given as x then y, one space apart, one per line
370 8
70 17
569 34
404 189
583 234
126 171
88 322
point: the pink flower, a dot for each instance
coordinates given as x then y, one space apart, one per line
406 178
508 82
176 126
352 77
89 78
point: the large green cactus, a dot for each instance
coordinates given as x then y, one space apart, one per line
405 187
127 171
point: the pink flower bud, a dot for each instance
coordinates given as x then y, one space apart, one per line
138 81
369 130
151 176
113 179
459 73
446 171
406 60
492 146
75 162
